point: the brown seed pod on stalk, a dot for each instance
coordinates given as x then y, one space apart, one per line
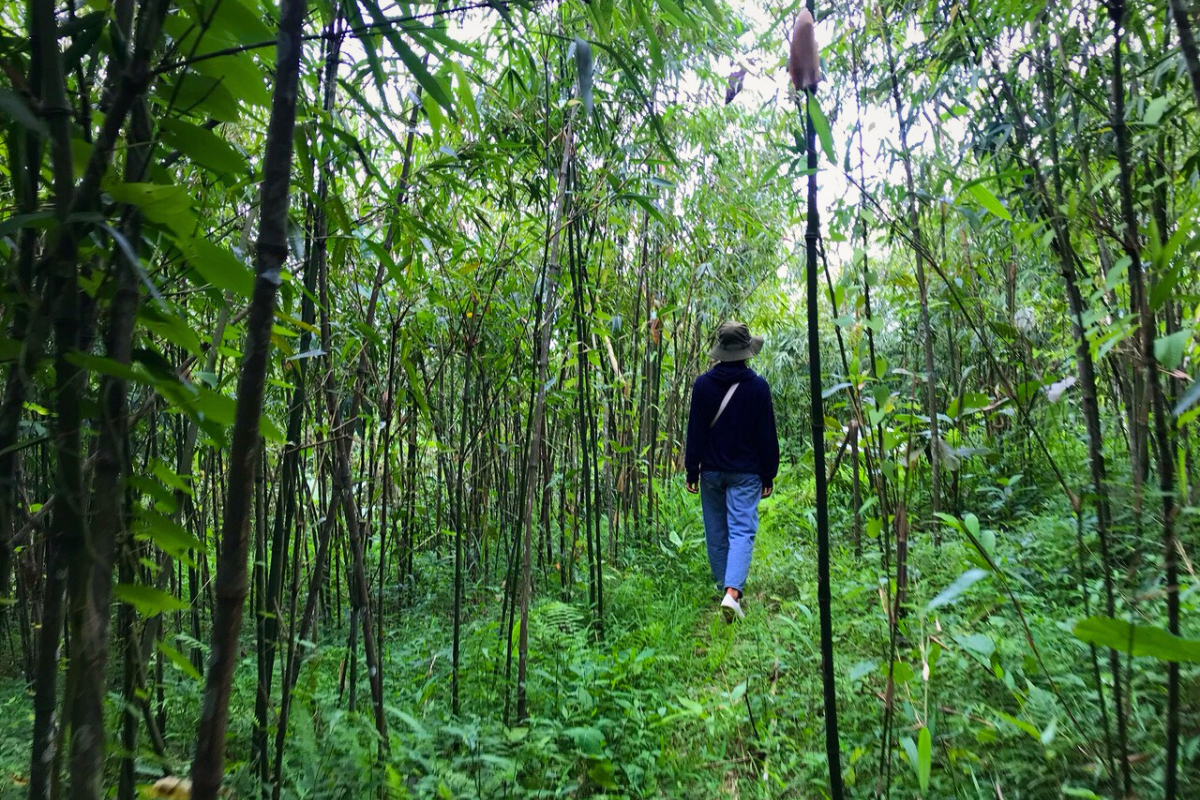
804 61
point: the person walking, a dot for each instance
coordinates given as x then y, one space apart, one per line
731 458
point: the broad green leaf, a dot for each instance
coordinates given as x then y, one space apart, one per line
42 220
170 537
177 658
862 669
602 14
952 592
910 749
821 124
602 773
1188 400
420 73
972 402
203 147
656 56
234 21
466 97
169 327
978 644
989 201
646 203
200 96
588 741
169 206
1021 725
924 758
241 75
1168 350
218 266
13 107
714 11
676 14
902 672
1137 640
147 600
1155 109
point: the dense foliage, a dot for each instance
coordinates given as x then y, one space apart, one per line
347 352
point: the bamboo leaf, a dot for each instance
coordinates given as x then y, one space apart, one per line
1155 109
13 107
168 535
924 758
989 201
1188 400
147 600
1137 640
177 658
821 123
955 590
421 74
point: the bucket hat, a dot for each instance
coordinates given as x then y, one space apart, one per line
734 343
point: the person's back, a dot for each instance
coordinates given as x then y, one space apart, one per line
743 438
731 457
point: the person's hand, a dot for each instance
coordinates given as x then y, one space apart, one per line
766 492
693 488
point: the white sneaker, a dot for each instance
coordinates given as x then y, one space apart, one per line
731 608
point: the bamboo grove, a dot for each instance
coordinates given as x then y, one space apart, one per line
329 324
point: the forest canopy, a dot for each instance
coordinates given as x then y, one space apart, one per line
348 348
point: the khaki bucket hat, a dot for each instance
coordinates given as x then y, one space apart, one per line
734 343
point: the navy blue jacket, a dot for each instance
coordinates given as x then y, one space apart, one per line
744 438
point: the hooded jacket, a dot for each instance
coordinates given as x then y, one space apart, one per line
744 439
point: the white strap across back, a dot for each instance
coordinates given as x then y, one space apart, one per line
724 402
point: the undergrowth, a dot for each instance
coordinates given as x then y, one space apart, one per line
674 703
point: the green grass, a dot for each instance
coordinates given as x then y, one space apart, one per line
674 703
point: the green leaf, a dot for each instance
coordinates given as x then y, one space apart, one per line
902 672
676 14
13 107
924 758
977 643
821 123
421 74
971 403
203 147
1021 725
1137 640
170 537
910 749
1155 109
169 206
646 203
714 11
989 201
952 592
218 266
147 600
656 56
177 658
200 96
240 75
1168 350
1188 400
601 772
861 670
588 741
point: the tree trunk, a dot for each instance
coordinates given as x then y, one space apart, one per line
208 768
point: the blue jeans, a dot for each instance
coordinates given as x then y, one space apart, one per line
730 504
